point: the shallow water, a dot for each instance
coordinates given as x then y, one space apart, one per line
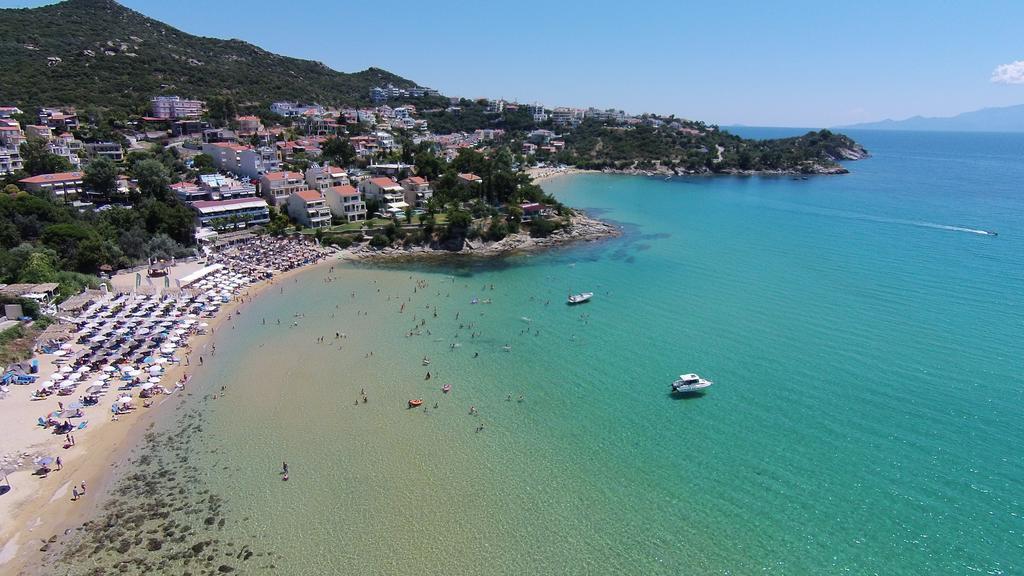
865 418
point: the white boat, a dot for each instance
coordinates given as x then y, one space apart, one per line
690 383
580 298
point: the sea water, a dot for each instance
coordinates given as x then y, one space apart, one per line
864 335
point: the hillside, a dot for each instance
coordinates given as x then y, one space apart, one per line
115 58
1005 119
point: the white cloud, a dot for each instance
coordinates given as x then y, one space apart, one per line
1012 73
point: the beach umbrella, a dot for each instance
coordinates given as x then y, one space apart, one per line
155 370
94 389
65 368
148 360
149 384
65 346
75 405
57 376
44 460
109 368
124 400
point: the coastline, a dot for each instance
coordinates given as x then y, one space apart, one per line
582 228
41 523
41 519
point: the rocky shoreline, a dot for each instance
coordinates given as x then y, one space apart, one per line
581 228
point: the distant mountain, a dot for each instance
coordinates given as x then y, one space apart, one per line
1007 119
98 53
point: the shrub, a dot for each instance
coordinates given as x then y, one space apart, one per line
544 228
379 241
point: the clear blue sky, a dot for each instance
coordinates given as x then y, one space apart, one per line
782 63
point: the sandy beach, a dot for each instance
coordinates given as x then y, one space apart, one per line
38 510
549 173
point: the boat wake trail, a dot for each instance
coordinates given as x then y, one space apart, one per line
886 220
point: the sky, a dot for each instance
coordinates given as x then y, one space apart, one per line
762 63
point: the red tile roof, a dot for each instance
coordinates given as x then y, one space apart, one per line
344 190
309 195
231 202
384 182
415 180
58 177
282 175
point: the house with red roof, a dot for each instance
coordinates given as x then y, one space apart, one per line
346 202
417 191
383 190
309 208
277 187
470 179
65 185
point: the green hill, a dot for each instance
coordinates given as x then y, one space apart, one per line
117 59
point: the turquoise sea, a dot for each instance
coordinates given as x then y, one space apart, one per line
865 341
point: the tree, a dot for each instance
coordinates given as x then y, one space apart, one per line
428 165
37 158
101 176
153 178
40 267
162 246
12 190
338 150
222 109
203 163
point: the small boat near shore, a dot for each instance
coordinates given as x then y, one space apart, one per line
579 298
415 403
690 383
446 388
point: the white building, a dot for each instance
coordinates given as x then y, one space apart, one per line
384 190
309 208
296 109
171 107
326 176
346 202
277 187
232 213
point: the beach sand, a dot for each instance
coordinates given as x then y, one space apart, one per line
544 174
39 510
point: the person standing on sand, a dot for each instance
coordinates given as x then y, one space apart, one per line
83 487
60 465
74 494
284 466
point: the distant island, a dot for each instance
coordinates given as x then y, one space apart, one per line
1004 119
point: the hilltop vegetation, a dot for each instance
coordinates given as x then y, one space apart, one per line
115 59
699 148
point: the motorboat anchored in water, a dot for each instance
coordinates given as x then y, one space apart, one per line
580 298
688 383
